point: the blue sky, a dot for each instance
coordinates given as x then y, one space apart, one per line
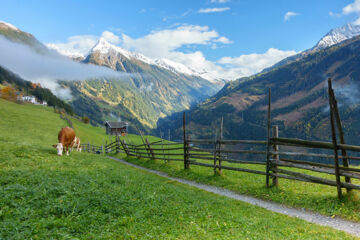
215 32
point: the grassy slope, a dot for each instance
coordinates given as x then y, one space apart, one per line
315 197
87 196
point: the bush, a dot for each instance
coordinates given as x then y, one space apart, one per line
8 93
85 120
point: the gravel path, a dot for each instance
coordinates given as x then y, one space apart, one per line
336 223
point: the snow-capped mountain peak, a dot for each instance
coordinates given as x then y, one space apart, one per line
338 35
8 25
104 47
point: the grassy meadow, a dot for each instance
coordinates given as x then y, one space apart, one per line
315 197
88 196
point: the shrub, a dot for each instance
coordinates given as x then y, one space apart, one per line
8 93
85 120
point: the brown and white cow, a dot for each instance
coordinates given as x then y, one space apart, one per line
76 144
66 137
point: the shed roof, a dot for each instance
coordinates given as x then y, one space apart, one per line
116 124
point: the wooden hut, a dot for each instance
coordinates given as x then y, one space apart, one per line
116 128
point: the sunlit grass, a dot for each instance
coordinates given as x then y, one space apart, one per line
88 196
315 197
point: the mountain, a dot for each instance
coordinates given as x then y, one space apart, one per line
150 89
24 87
335 36
14 34
147 90
299 99
338 35
103 48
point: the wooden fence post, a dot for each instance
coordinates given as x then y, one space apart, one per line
341 135
185 143
117 139
143 141
88 149
221 137
268 140
333 133
188 152
276 156
150 149
215 151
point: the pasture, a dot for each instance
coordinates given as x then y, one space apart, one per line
315 197
87 196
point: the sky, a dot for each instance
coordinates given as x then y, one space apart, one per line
228 38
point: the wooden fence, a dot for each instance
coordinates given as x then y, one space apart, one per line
67 119
274 157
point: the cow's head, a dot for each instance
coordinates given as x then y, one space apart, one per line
59 148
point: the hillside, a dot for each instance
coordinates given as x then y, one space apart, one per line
88 196
14 34
299 99
23 87
148 91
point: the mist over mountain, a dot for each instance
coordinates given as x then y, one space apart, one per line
110 82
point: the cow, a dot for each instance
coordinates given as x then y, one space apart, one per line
66 137
76 144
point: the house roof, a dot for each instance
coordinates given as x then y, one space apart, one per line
116 124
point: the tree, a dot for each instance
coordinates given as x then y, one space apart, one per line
8 93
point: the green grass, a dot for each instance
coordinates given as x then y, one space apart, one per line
87 196
315 197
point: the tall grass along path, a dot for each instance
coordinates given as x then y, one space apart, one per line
336 223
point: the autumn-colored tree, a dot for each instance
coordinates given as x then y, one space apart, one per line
8 93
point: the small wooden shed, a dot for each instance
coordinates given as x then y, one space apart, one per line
116 128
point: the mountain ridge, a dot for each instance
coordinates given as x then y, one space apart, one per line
299 99
143 95
333 37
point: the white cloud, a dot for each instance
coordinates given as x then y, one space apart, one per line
224 40
219 1
169 44
212 10
48 68
75 45
159 43
357 21
289 15
166 44
253 63
111 37
352 8
332 14
81 44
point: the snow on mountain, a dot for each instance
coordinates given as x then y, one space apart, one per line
8 25
104 47
337 35
174 66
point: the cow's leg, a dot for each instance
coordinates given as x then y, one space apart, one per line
67 150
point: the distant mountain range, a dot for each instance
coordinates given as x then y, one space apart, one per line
299 98
161 88
335 36
152 89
